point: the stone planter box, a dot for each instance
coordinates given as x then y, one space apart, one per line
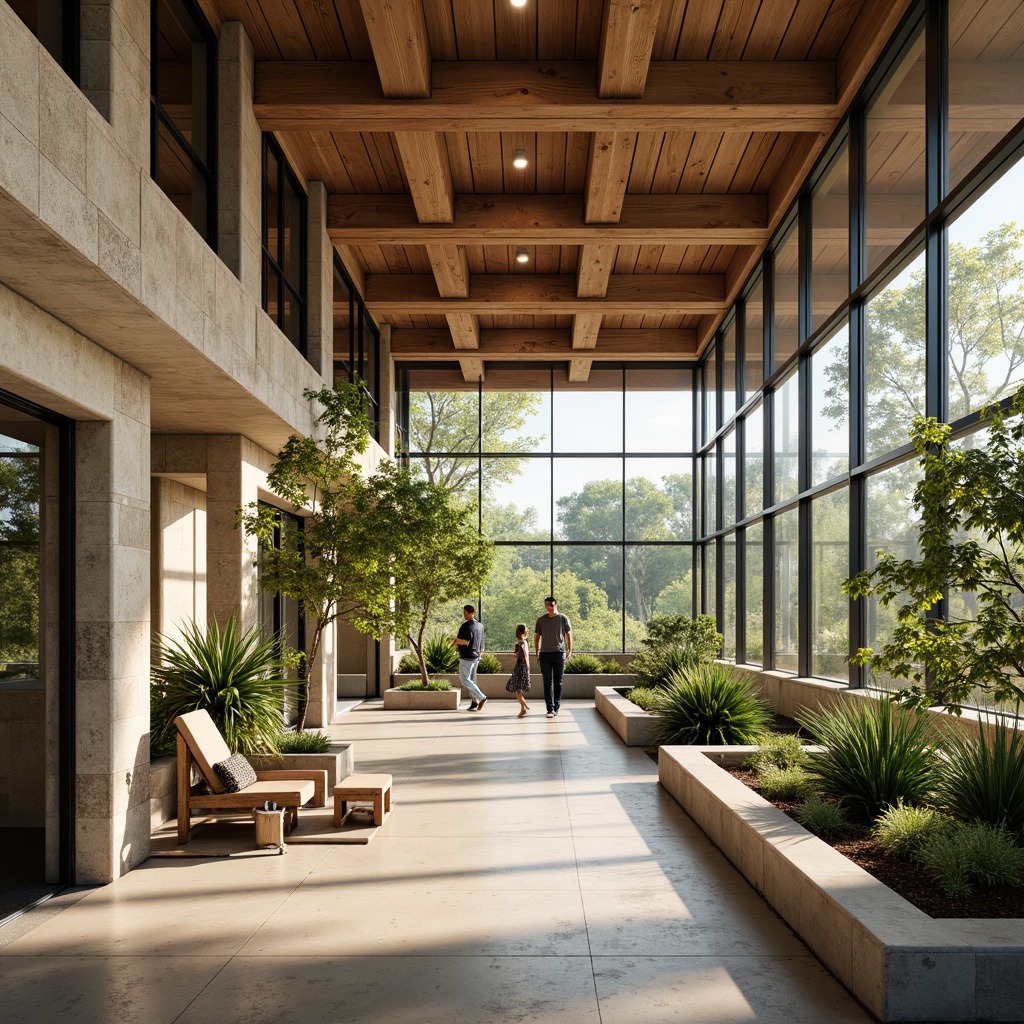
574 687
339 763
634 725
422 700
900 963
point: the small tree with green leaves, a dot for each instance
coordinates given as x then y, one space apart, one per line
434 554
334 566
971 538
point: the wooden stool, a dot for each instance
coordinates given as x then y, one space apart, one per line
363 787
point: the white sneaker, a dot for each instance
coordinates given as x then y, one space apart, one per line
550 714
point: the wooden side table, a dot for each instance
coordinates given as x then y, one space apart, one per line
362 787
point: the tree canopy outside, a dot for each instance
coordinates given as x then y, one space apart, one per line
19 558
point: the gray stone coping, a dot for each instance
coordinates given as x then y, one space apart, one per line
634 725
900 963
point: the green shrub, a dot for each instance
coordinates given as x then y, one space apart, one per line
983 779
432 684
902 830
674 643
644 697
408 663
778 751
785 783
873 757
303 743
963 856
708 706
613 668
582 664
822 817
237 678
440 654
490 664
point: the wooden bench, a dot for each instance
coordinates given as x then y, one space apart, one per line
362 787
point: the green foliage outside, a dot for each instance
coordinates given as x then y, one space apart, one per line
614 668
707 705
430 684
583 664
19 563
671 644
237 677
409 663
958 633
303 743
874 755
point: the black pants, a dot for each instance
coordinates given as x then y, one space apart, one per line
551 668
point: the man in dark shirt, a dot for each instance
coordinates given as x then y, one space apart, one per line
552 641
470 643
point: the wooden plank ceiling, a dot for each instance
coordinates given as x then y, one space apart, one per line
665 140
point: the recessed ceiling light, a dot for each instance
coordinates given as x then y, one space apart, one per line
519 159
522 256
518 3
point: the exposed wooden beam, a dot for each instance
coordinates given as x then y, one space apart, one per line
585 329
502 345
579 370
451 269
472 369
717 96
398 35
397 294
611 157
627 39
696 219
594 269
463 330
429 175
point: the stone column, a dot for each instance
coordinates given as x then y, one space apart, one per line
113 636
233 476
115 69
239 161
320 285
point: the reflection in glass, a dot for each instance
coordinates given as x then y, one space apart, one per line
517 498
710 579
514 592
986 67
588 585
830 404
895 360
754 549
787 439
659 499
830 565
753 440
986 301
727 627
891 527
710 491
787 298
659 410
830 240
787 590
894 190
590 420
711 392
588 499
754 339
729 479
729 393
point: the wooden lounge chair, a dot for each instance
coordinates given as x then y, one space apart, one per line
200 743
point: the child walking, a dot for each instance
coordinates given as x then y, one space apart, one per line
519 681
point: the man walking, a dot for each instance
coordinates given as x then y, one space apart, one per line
470 643
552 642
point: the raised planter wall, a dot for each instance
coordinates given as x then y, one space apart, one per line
422 700
574 687
900 963
634 725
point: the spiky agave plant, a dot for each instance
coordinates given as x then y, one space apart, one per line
236 677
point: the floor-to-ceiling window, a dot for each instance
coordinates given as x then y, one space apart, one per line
587 490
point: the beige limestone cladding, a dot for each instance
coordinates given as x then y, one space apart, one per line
178 574
320 269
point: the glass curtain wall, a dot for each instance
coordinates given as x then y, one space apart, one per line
586 489
356 343
894 289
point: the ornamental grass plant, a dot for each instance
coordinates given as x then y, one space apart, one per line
707 705
490 664
440 654
873 757
822 817
902 830
432 684
644 697
237 677
783 750
583 664
963 856
791 783
303 743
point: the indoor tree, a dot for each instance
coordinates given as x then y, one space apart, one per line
959 628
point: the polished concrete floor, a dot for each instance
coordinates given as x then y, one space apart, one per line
532 870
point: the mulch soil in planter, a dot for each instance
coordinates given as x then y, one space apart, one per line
904 877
